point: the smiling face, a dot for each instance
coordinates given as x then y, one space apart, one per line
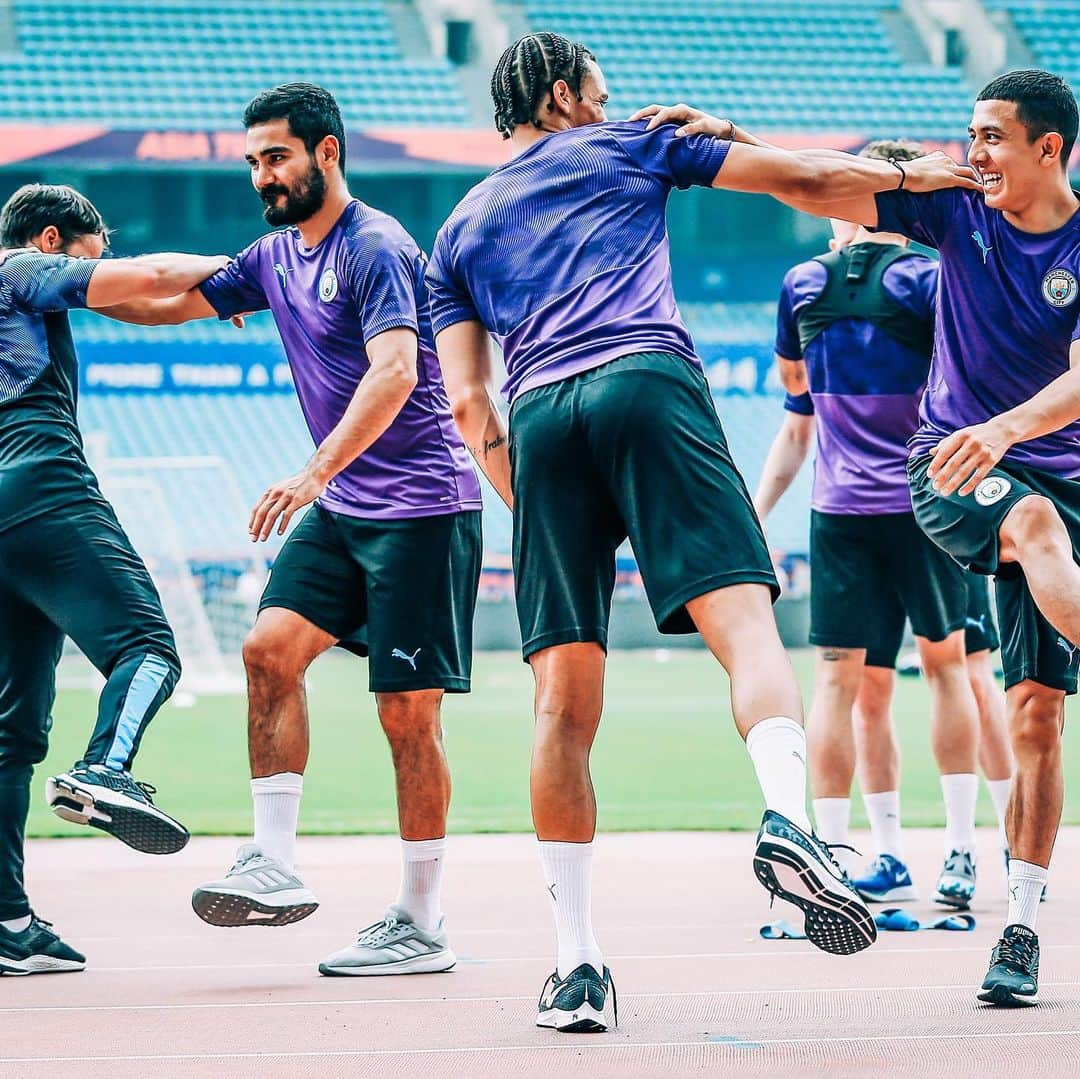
287 178
1014 168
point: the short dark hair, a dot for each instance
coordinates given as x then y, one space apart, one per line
34 207
1044 103
528 70
311 111
893 150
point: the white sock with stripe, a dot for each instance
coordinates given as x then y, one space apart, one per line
277 810
777 746
568 876
420 895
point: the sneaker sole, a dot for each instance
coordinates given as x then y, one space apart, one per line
40 964
836 921
957 902
438 963
234 909
905 894
1003 997
138 827
583 1020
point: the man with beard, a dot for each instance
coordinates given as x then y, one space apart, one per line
387 562
995 465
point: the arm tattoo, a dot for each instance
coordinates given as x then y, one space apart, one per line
494 444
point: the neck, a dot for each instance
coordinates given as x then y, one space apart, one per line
865 237
1047 210
525 135
315 229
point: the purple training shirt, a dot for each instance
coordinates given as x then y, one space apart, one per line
1007 313
364 278
562 253
865 388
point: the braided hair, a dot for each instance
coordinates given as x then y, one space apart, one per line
526 73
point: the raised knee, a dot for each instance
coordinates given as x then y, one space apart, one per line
1035 724
1033 522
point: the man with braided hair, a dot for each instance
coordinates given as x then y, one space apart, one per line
562 256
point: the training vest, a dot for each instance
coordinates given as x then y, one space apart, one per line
855 289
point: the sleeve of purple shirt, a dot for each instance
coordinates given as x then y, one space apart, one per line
925 217
787 329
39 283
801 404
237 289
384 283
679 161
450 299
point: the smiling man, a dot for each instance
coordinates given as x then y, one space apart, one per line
995 465
387 561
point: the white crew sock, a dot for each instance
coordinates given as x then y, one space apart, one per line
568 876
420 895
832 817
1000 790
1026 884
277 807
777 746
883 812
960 791
17 925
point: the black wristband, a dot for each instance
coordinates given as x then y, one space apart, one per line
903 175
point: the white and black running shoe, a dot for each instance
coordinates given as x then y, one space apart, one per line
258 890
796 866
578 1003
37 949
114 802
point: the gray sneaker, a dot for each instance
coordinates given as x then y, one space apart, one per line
956 885
392 946
258 890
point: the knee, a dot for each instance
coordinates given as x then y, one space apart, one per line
1033 523
267 660
1035 724
410 717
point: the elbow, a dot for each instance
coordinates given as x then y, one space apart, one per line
403 372
466 402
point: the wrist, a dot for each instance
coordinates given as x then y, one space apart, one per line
903 175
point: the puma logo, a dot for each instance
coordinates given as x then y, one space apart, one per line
977 236
1069 649
410 660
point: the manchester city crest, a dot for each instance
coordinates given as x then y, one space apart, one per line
992 489
328 285
1059 288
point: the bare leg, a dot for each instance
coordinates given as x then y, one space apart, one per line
829 730
954 715
413 727
1034 535
876 747
995 753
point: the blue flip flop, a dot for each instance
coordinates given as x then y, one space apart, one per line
781 930
896 920
959 923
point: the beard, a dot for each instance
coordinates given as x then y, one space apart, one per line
302 200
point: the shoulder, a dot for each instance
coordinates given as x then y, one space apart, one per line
371 235
804 281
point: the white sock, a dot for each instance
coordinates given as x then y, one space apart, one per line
999 794
277 808
960 791
420 895
777 746
883 811
568 876
832 816
1026 883
16 925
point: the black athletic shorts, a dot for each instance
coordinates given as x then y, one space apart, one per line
967 526
870 572
631 448
401 592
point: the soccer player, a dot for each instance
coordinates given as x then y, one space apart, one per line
561 255
66 566
855 329
995 464
387 562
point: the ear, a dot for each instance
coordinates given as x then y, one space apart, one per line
328 153
1050 146
49 241
562 97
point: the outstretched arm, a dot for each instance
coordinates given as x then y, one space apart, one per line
168 312
149 277
465 356
963 459
379 397
783 461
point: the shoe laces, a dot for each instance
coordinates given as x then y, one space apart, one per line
1017 951
377 934
244 859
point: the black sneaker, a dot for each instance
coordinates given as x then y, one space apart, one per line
114 802
37 950
577 1003
796 866
1013 977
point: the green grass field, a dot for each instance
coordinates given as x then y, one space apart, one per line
667 756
